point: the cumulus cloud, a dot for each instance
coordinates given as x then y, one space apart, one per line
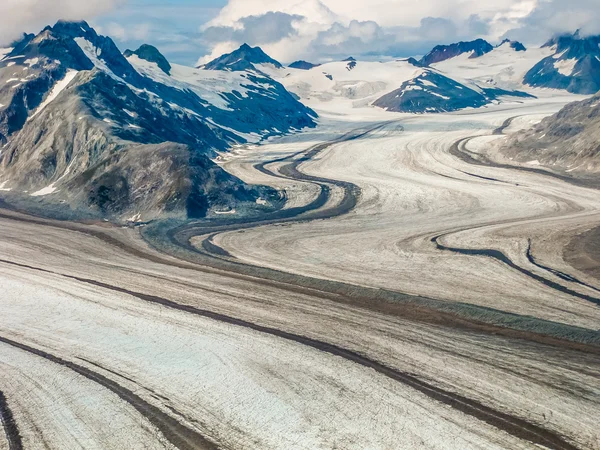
552 17
18 16
326 29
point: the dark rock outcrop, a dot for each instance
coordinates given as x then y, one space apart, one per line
440 53
515 45
151 54
302 65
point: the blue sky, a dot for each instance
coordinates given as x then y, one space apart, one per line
173 26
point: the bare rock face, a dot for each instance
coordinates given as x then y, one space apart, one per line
567 142
151 54
441 53
83 129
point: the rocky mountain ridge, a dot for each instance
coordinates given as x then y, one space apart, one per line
87 131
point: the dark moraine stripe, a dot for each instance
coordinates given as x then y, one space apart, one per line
180 436
513 425
11 430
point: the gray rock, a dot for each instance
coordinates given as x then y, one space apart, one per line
114 143
567 142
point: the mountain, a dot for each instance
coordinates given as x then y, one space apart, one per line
574 65
431 92
90 132
244 58
440 53
398 86
567 142
150 54
515 45
302 65
504 67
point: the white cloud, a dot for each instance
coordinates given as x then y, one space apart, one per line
322 29
18 16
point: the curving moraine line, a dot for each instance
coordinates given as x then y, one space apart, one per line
458 149
312 211
210 253
11 430
175 432
500 256
184 438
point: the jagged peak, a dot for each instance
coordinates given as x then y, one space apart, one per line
241 59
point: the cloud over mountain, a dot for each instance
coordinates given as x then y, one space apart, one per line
17 16
328 29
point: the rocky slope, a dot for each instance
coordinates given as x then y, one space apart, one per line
87 130
574 65
567 142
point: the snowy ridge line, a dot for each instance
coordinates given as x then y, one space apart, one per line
11 430
185 438
175 432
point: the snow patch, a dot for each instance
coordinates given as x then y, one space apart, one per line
231 211
56 90
45 191
566 67
32 61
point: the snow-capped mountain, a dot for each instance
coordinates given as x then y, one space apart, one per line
151 54
476 48
503 67
433 92
574 65
84 127
244 58
399 86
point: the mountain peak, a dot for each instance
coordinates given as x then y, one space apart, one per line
477 48
302 65
515 45
71 28
151 54
242 59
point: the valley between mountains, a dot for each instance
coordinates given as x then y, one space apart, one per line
374 280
